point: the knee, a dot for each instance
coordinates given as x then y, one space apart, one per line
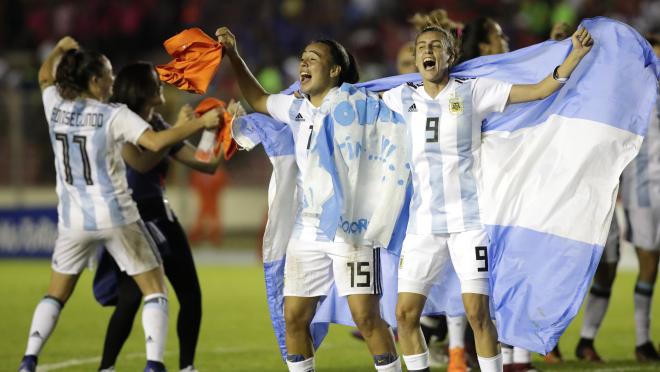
297 320
129 301
407 317
366 321
479 318
191 298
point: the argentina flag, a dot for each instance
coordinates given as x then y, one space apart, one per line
548 183
550 172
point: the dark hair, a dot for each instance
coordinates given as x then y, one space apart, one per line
654 39
75 70
342 58
473 34
135 86
448 40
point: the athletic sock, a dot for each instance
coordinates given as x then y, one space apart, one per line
507 354
393 366
43 322
594 311
521 356
456 329
417 362
306 365
490 364
643 297
154 322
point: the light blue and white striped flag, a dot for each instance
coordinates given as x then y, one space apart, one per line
550 171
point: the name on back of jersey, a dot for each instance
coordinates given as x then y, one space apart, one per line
76 119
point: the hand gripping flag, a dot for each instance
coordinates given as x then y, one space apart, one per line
548 181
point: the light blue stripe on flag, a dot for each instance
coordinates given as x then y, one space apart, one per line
538 291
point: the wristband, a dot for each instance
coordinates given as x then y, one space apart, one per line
557 78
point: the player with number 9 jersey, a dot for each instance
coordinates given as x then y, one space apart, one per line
444 116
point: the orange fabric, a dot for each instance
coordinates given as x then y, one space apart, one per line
223 140
196 59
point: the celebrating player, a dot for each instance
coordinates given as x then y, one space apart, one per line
445 116
138 87
95 206
312 265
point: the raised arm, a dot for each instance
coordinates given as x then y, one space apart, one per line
582 43
253 92
47 69
157 141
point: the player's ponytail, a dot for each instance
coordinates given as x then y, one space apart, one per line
344 59
75 70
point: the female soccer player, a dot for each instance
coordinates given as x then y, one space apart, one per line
312 265
445 115
138 87
95 205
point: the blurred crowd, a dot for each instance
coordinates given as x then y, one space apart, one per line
271 33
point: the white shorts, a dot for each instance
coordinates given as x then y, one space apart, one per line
311 267
612 245
644 227
425 260
130 245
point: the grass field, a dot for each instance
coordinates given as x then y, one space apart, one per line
236 333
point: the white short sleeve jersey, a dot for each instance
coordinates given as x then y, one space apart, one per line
87 136
445 140
305 120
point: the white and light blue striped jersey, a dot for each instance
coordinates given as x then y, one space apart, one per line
87 136
640 182
445 134
305 120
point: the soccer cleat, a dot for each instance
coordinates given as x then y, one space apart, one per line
154 366
457 361
109 369
28 364
190 368
554 356
646 353
585 351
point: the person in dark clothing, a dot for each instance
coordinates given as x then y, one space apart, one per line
138 86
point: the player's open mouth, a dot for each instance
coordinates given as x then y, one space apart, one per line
305 77
428 63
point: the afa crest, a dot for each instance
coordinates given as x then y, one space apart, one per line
456 105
